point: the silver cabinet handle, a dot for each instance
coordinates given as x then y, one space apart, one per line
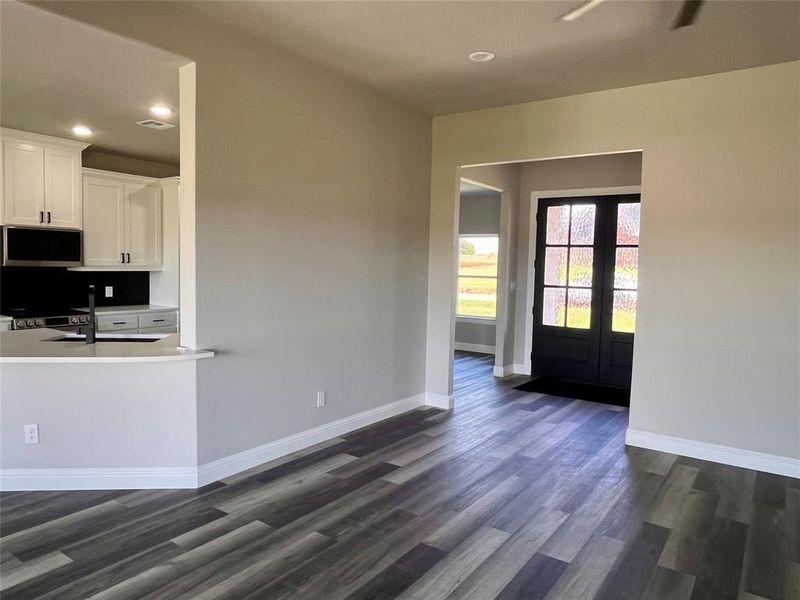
48 217
129 257
41 216
122 254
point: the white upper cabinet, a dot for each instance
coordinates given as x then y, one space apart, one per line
122 221
62 188
103 222
143 225
23 183
41 180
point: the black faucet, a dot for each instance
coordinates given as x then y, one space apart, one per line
90 329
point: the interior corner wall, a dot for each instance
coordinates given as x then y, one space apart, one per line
717 351
106 161
609 170
313 197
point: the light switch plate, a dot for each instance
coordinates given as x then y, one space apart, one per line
109 291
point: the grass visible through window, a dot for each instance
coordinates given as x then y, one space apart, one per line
477 276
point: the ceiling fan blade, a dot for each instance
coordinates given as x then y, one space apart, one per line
688 14
581 9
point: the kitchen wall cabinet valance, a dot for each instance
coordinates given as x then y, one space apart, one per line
122 221
41 180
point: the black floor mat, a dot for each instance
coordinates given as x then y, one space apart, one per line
553 386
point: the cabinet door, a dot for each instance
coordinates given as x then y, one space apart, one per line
23 183
103 201
62 188
143 225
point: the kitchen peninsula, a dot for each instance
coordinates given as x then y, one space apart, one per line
112 415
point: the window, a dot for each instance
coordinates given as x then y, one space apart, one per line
626 268
477 276
568 261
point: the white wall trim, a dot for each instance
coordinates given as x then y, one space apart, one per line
521 369
467 347
118 478
439 400
535 196
235 463
187 261
748 459
503 371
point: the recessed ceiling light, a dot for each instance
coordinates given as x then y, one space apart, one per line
160 110
81 130
481 56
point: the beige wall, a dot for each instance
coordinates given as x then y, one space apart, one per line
717 347
312 226
106 161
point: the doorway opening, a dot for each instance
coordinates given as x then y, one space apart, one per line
569 310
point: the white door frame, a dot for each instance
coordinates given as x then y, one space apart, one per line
503 262
529 274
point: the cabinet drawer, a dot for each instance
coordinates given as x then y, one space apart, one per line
162 320
114 323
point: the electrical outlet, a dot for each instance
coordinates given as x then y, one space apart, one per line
321 399
109 291
31 434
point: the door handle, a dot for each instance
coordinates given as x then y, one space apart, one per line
48 216
41 216
129 257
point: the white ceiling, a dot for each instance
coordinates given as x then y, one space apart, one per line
56 73
417 51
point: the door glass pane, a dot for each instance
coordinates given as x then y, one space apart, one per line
580 266
557 224
555 266
582 224
579 308
554 306
478 255
628 223
626 268
477 297
624 315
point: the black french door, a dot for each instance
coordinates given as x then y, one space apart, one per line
585 288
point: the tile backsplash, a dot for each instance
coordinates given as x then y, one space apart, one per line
26 287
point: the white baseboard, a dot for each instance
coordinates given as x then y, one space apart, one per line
748 459
482 348
247 459
503 371
521 369
439 400
122 478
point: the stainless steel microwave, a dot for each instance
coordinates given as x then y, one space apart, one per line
41 247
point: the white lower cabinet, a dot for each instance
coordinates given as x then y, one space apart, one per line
143 322
122 221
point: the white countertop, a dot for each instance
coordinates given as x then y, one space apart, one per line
31 345
125 310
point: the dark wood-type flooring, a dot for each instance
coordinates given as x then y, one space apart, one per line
512 495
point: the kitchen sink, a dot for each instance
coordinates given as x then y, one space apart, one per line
110 337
